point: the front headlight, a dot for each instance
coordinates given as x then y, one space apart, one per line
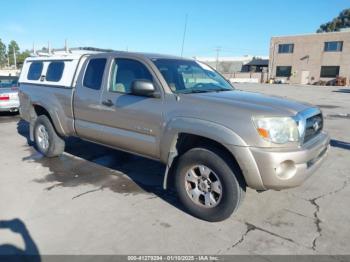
279 130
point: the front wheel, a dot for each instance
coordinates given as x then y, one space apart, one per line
209 185
46 139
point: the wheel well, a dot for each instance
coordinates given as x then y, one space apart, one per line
186 142
39 111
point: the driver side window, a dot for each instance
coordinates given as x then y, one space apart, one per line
124 72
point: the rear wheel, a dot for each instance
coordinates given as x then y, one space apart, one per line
46 139
209 185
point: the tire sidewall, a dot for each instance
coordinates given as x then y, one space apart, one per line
43 120
231 191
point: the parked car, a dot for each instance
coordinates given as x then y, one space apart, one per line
214 140
9 101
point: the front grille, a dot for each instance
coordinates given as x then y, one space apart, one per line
313 127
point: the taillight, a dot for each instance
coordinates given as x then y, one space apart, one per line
4 97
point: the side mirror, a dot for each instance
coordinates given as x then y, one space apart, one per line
144 88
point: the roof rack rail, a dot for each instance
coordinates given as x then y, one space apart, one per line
96 49
87 48
66 51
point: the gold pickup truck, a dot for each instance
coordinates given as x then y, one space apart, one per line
214 140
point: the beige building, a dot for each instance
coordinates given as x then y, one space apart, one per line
307 59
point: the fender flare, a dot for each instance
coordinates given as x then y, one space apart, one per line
194 126
53 115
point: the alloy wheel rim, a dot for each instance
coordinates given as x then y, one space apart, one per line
43 137
203 186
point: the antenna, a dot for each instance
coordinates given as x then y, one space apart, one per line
184 35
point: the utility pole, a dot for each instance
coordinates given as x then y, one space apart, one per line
218 49
14 57
65 46
184 36
34 51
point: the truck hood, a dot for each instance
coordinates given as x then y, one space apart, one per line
272 104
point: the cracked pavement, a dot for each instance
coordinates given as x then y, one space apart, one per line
94 200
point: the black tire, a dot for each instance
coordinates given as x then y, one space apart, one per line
55 143
232 183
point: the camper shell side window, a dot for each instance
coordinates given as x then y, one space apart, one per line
35 70
55 71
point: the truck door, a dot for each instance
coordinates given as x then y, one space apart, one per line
130 122
87 100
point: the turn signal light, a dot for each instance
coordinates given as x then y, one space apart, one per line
263 132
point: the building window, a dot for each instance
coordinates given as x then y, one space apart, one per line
285 48
35 70
283 71
55 71
335 46
330 71
94 73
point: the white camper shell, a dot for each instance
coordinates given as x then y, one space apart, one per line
55 68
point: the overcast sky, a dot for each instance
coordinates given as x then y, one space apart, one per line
238 27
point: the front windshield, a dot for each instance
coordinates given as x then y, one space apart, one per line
186 76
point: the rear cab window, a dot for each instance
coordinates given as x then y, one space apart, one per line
55 71
35 70
94 73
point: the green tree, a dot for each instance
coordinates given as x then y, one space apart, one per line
2 54
13 48
341 21
21 57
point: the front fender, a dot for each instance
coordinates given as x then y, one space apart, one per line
219 133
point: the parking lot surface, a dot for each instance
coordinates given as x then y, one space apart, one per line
95 200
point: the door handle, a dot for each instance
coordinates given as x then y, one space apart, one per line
107 102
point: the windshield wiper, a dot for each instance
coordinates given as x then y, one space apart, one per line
193 91
210 90
200 91
222 89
